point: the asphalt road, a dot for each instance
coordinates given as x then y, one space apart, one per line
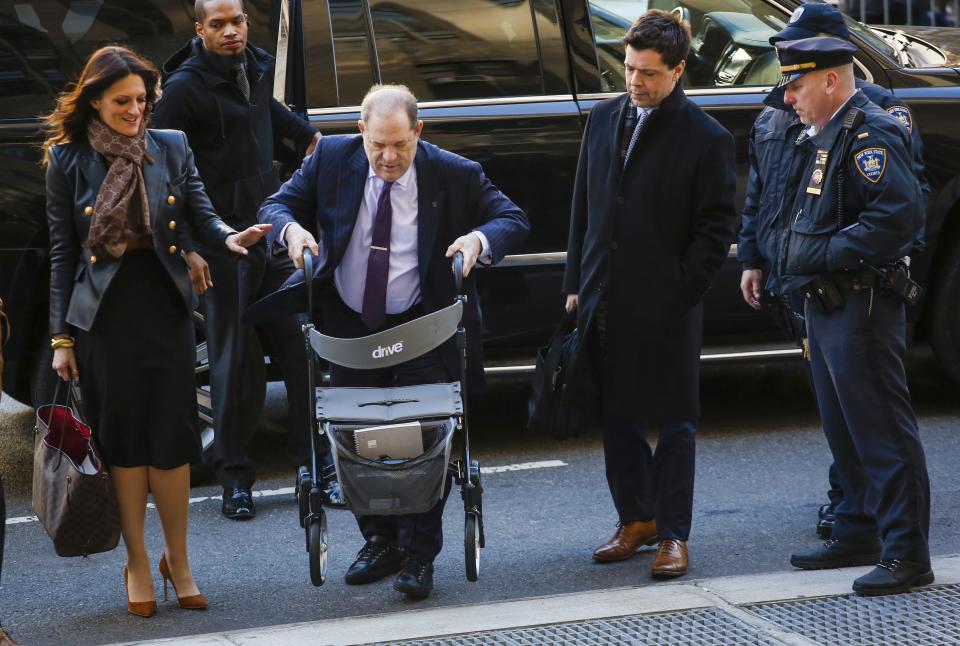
761 475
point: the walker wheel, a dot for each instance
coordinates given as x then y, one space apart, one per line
317 540
303 497
471 545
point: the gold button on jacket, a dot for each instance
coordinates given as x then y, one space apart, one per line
171 200
172 250
172 224
88 211
93 260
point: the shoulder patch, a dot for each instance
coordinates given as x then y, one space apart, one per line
871 162
902 113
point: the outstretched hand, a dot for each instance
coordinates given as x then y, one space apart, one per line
238 242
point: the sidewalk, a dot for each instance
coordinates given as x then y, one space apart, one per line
793 608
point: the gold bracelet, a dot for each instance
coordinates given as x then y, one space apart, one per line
63 342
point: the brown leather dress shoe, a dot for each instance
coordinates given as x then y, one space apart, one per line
672 559
629 538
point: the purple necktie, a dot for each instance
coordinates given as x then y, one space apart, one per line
378 263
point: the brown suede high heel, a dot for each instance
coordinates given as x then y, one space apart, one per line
138 608
193 602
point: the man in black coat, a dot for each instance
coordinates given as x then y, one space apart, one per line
218 89
652 219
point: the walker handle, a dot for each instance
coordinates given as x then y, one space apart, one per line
458 271
308 278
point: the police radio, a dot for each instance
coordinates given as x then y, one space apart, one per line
851 121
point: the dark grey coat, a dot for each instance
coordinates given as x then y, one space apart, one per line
649 239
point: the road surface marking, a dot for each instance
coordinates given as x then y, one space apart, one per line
289 491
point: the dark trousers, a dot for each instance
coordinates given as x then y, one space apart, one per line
420 535
649 484
234 353
835 493
645 484
788 312
861 387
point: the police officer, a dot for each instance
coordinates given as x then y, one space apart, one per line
852 211
770 152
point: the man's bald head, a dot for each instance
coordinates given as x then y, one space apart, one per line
200 9
388 100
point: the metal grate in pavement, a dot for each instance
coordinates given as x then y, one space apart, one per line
928 617
704 627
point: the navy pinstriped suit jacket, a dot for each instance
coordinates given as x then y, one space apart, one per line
454 198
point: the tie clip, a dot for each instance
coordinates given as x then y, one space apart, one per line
379 248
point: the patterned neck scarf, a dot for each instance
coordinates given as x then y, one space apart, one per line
121 212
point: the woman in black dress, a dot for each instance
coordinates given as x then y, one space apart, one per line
120 298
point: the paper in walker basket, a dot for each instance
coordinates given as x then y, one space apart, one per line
389 442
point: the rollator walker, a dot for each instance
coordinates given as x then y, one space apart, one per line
390 486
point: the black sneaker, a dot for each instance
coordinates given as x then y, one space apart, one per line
892 576
835 553
416 580
377 559
238 504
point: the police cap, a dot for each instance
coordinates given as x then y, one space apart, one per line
797 57
815 19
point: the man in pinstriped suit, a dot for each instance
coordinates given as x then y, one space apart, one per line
390 210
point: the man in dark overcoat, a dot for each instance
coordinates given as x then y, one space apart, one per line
218 89
652 220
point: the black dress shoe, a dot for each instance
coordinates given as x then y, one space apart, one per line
238 504
826 518
375 560
416 580
835 553
892 576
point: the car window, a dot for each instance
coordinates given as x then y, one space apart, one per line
870 37
351 51
729 40
457 49
43 45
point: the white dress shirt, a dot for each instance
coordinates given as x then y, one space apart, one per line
403 277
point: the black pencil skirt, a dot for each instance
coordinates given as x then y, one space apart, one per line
137 370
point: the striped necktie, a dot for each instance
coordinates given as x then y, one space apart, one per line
378 263
641 119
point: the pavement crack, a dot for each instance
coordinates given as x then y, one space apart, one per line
769 629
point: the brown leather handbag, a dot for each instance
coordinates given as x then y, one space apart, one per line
73 495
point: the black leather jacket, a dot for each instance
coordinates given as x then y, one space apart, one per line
78 279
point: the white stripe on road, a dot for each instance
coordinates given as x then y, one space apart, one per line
289 491
21 519
523 466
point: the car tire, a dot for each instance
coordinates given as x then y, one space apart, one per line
945 313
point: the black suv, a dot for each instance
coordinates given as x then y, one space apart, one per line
507 83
